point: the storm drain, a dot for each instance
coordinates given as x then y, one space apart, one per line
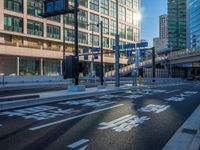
189 131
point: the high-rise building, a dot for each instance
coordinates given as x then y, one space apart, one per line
161 41
177 24
31 45
163 26
193 23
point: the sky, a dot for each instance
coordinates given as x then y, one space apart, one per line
150 12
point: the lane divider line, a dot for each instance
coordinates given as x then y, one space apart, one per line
72 118
172 91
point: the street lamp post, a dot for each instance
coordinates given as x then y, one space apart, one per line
117 80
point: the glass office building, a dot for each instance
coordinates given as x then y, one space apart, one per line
193 23
177 24
32 45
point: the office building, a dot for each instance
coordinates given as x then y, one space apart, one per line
32 45
177 24
193 23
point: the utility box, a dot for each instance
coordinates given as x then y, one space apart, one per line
69 67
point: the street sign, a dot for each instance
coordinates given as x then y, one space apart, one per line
96 49
96 56
85 57
132 45
85 51
129 53
54 7
142 53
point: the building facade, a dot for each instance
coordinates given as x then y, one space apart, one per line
177 24
163 26
161 41
193 23
32 45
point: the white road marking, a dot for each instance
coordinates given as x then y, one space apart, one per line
1 125
125 123
172 91
154 108
181 97
72 118
89 102
134 96
108 96
79 143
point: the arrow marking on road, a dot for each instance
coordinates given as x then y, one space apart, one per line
72 118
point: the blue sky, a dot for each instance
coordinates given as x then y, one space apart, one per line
150 11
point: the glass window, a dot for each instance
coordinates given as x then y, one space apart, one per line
122 1
129 16
113 9
83 3
51 67
34 28
105 25
112 27
94 40
53 31
122 30
105 42
29 67
69 35
12 23
14 5
122 13
130 33
69 19
83 19
83 38
129 3
112 42
136 4
94 19
104 7
54 18
94 5
34 7
136 34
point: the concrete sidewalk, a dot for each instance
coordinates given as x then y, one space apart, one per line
187 136
48 97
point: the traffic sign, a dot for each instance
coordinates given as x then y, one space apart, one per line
129 53
85 51
96 49
85 57
132 45
96 56
54 7
142 53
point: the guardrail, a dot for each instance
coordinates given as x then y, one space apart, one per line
12 80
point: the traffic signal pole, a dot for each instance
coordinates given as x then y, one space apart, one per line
117 53
101 76
153 64
76 73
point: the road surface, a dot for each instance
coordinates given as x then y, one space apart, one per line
132 120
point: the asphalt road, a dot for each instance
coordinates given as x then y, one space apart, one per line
134 120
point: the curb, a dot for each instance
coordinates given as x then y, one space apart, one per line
187 137
32 102
12 98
